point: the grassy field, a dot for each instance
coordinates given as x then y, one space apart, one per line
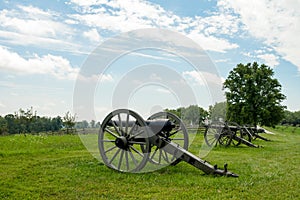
59 167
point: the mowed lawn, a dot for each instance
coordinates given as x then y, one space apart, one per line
60 167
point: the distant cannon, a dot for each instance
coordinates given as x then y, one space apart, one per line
231 133
127 142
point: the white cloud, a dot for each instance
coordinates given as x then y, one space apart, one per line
32 26
36 13
269 59
41 42
212 43
247 54
28 25
164 56
56 66
106 78
121 16
265 55
95 78
92 35
222 60
164 91
276 22
194 76
201 78
32 21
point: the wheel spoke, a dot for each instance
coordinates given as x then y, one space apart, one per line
211 139
176 131
155 151
132 157
173 157
107 140
133 127
127 161
120 123
112 133
165 156
110 149
139 133
160 155
135 150
112 159
121 159
213 142
116 128
127 123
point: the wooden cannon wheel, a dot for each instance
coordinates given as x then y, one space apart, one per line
217 132
123 141
252 135
178 135
236 130
226 136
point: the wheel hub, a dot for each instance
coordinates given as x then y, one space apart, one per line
122 142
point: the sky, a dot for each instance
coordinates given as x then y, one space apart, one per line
46 45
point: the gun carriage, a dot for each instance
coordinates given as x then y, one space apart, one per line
127 143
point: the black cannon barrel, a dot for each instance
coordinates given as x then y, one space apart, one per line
157 125
160 125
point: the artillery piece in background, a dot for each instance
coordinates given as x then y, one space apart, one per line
127 143
229 133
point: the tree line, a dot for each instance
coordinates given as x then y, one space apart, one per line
85 124
195 115
218 111
27 121
291 118
192 115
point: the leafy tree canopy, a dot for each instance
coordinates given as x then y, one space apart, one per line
253 95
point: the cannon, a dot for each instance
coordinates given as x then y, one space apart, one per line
127 143
229 133
253 132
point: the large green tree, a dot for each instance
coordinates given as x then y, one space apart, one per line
253 95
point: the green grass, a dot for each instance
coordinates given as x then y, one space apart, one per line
59 167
